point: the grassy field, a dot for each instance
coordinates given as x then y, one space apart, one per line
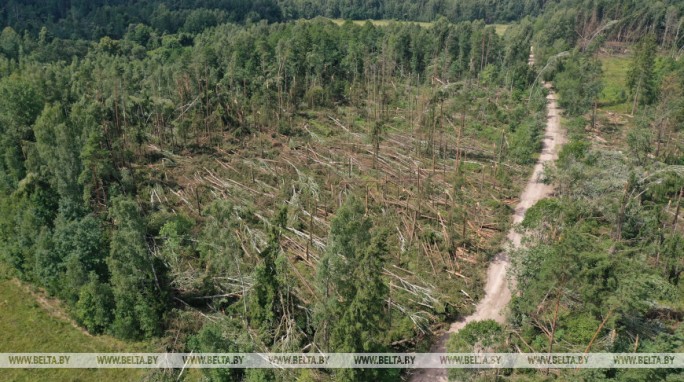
381 23
500 28
614 96
30 322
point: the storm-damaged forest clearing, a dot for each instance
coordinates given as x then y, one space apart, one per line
241 179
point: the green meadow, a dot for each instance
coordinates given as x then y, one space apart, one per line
33 323
500 28
615 93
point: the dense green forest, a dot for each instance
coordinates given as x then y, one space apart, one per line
424 10
228 176
98 18
95 19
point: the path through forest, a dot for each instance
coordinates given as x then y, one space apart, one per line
497 288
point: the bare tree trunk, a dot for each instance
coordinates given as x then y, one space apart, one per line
621 216
553 325
659 138
674 43
679 203
636 97
458 140
636 343
596 333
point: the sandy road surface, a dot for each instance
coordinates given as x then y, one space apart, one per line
497 288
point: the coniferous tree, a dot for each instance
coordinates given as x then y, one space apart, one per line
352 316
363 325
137 279
349 238
263 305
641 77
95 306
56 143
212 339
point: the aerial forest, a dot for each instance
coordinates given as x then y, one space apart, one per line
286 176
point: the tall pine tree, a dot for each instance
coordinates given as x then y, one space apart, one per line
136 277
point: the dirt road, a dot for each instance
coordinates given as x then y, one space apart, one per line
497 288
